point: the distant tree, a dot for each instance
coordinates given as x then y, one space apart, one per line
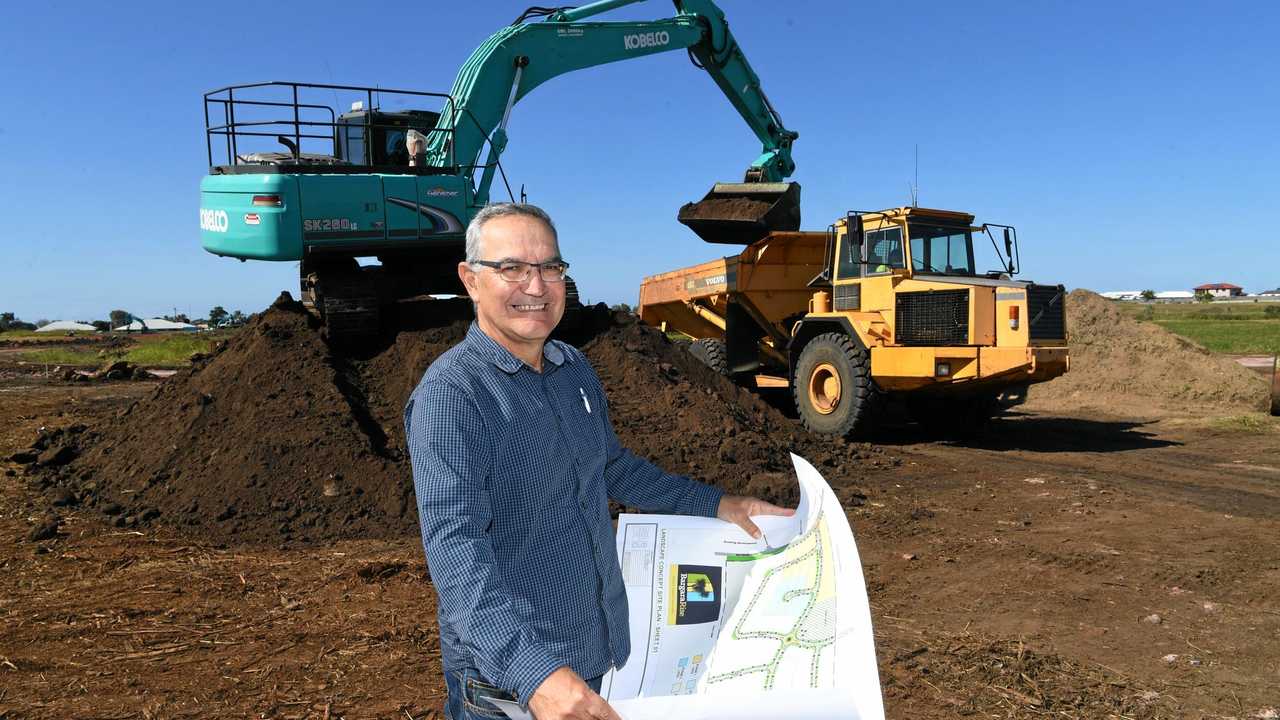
1148 294
101 325
8 321
217 315
42 322
621 307
1203 296
178 318
120 317
237 318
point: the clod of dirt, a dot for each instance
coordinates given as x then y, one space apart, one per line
56 456
375 571
62 497
1116 359
277 437
24 457
46 529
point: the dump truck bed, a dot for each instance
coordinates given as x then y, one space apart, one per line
768 281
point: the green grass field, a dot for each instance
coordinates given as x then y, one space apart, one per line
170 351
1232 328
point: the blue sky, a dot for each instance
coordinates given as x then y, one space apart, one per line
1133 144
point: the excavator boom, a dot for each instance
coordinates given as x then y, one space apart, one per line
522 56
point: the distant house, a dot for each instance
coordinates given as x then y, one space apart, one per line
1270 293
1219 290
1174 295
66 326
155 325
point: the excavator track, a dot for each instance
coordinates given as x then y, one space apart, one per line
345 296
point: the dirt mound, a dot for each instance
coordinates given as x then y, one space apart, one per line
275 437
1115 359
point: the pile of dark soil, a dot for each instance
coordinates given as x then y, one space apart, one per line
276 437
1117 360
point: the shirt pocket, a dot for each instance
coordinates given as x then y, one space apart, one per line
586 430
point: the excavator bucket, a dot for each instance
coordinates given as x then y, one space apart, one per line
742 213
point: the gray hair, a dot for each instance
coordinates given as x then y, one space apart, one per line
497 210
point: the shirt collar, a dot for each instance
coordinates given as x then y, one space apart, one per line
490 350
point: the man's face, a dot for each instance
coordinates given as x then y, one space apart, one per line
514 313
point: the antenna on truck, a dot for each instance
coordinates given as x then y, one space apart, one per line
914 186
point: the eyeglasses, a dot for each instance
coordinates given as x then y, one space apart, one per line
515 271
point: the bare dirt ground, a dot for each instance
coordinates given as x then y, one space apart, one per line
1070 565
239 540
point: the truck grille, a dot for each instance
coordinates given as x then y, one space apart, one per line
934 317
1046 312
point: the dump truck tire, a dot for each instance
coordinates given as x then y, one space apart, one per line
712 353
832 386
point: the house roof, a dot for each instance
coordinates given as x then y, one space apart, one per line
1218 286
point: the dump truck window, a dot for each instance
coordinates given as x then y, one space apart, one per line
940 249
850 265
884 250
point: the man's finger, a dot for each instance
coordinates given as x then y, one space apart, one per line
767 508
603 711
746 524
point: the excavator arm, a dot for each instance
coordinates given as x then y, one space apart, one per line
522 56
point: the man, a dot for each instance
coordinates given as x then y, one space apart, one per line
514 459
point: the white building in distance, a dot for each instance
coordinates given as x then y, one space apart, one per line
66 326
156 325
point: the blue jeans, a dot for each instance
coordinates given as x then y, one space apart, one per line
468 690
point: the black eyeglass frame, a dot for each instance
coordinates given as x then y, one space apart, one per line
497 266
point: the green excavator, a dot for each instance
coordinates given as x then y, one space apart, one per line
296 176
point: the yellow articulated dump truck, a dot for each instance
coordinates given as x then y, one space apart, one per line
882 306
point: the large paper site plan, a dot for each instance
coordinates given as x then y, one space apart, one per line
726 626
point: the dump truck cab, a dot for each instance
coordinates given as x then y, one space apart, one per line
893 304
906 282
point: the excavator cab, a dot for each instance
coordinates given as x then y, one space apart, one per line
376 138
742 213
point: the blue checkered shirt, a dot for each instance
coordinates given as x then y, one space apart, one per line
513 470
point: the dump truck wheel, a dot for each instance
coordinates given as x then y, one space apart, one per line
833 389
712 353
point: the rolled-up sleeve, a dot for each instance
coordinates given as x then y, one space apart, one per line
638 483
452 462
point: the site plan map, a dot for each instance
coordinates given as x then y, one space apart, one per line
726 626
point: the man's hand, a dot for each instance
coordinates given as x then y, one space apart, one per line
564 696
738 510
